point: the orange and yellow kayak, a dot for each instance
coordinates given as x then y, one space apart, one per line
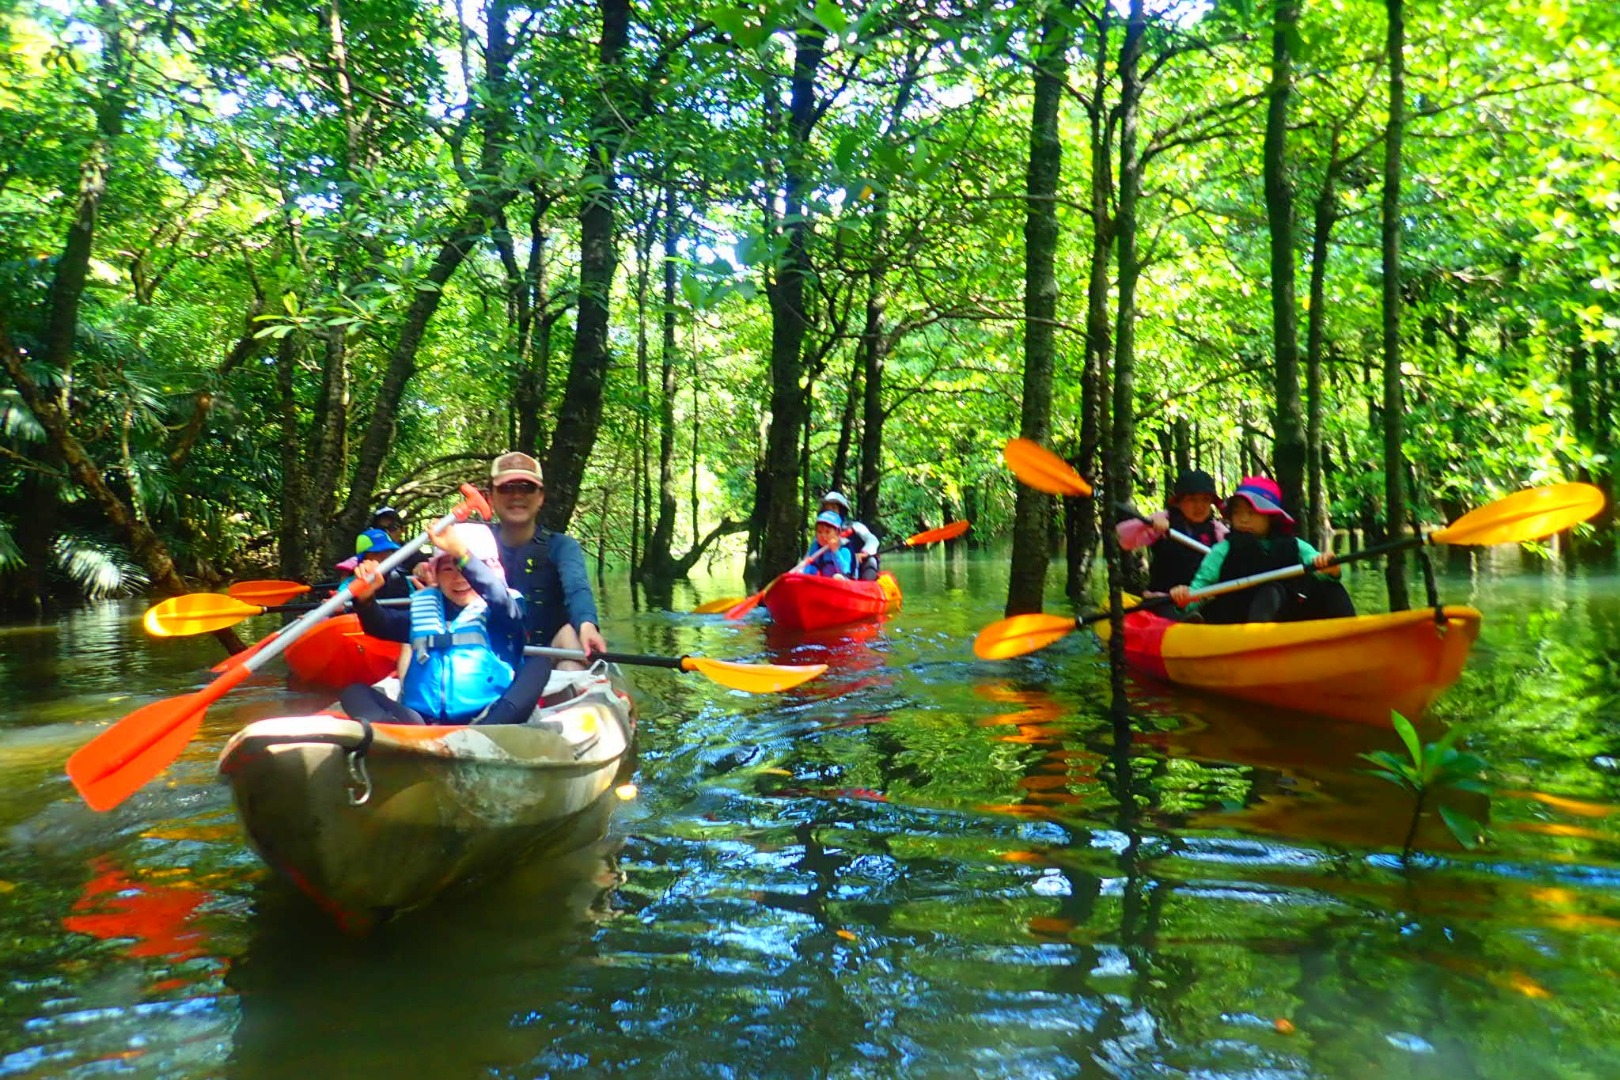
1351 669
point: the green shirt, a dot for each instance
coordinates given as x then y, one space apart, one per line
1209 571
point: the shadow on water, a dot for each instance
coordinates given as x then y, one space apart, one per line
480 981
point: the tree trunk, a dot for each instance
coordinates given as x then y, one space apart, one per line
1083 516
1026 586
658 563
874 352
581 411
483 205
1121 448
1289 452
1394 411
1323 219
780 535
295 555
846 422
329 453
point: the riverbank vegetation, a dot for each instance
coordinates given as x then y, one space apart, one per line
266 266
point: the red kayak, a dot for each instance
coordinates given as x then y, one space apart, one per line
336 653
809 602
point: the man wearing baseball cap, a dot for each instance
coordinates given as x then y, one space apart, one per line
547 567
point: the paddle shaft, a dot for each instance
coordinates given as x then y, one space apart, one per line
636 659
292 632
1282 574
1179 537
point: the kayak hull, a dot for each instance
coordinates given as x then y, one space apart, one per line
335 653
367 831
811 602
1357 669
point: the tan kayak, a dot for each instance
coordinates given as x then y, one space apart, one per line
368 829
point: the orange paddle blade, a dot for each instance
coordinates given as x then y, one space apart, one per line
118 762
196 613
934 536
269 592
715 607
1524 515
753 678
1020 634
1043 470
737 611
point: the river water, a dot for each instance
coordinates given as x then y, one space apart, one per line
919 865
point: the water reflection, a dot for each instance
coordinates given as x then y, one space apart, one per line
925 865
471 984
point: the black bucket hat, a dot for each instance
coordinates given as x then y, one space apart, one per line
1195 482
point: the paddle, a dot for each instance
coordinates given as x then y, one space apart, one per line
1043 470
752 678
922 539
119 761
1524 515
202 613
743 607
273 591
1179 537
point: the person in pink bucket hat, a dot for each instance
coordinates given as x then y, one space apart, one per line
1262 538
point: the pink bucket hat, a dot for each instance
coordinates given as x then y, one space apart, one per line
481 545
1263 494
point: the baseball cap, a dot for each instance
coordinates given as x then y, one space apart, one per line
515 465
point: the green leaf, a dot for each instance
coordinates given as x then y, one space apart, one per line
1463 827
830 15
1403 728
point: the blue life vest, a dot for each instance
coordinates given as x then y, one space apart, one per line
454 674
829 563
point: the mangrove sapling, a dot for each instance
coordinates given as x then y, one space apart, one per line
1432 767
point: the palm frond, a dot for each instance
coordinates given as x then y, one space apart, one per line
99 569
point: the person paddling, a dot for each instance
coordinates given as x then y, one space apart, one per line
833 559
1262 538
373 546
451 672
546 568
866 543
1190 511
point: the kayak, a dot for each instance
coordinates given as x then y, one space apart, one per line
810 602
1356 669
336 653
371 820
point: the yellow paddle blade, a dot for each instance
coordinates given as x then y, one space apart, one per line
715 607
1043 470
1524 515
1020 634
196 613
753 678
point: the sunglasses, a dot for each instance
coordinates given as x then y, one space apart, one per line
518 487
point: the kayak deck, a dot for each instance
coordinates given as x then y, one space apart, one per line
1357 669
370 828
812 602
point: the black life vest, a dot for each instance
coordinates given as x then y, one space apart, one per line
1174 563
1247 554
529 570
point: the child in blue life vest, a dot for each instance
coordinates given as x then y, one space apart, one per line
452 673
1189 511
833 559
1263 539
863 542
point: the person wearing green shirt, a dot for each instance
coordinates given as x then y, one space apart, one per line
1262 539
